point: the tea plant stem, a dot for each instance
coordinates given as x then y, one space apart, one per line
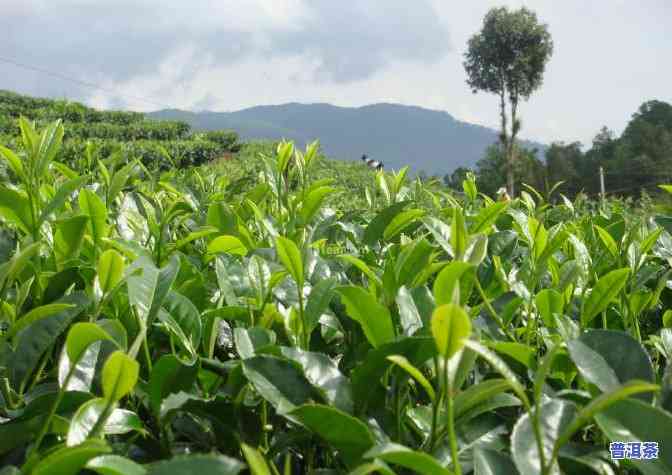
145 348
397 408
537 435
492 311
310 460
35 231
305 336
6 393
172 344
43 363
52 411
435 409
452 437
264 423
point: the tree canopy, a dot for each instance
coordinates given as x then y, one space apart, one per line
640 159
508 57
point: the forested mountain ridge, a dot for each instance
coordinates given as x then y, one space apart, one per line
427 140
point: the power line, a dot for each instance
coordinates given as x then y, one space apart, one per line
82 83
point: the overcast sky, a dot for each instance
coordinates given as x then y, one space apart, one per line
610 56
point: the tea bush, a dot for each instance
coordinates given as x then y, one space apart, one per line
157 144
279 314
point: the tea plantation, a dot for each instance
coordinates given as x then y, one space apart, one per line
166 312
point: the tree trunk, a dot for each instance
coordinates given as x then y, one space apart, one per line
506 145
511 155
510 179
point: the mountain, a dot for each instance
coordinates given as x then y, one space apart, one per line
427 140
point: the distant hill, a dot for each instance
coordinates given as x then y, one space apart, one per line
428 140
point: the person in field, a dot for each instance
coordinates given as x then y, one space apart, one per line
377 165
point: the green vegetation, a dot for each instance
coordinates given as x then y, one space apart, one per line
634 163
178 302
158 144
275 314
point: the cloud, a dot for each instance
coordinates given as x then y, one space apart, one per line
121 40
232 54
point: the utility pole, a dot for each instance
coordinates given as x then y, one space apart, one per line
602 193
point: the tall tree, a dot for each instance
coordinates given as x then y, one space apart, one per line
508 57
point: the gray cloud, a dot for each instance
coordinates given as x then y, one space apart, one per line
118 41
229 54
355 39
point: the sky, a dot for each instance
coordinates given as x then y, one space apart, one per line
609 56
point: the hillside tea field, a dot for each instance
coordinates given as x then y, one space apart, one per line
284 314
156 144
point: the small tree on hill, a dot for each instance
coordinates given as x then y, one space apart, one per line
508 58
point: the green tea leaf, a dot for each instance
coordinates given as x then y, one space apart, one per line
91 205
68 237
290 256
35 339
491 462
466 400
347 434
610 358
602 403
454 280
605 290
549 302
81 336
487 217
13 161
374 318
114 465
227 245
607 240
633 420
418 462
556 414
187 317
324 375
318 301
197 464
70 460
401 221
313 201
120 374
415 373
91 414
280 382
458 234
110 270
450 327
376 228
409 315
520 352
62 193
366 377
36 314
169 375
15 208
